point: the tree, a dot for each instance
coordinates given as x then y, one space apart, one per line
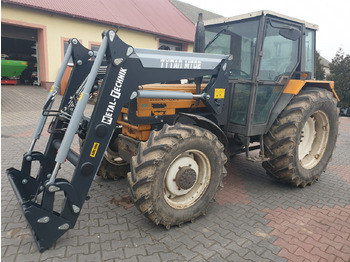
320 72
340 74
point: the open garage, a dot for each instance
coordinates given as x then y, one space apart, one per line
21 44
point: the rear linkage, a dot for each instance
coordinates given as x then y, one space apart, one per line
127 69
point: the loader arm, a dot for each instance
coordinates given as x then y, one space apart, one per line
127 69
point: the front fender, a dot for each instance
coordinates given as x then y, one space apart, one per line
205 123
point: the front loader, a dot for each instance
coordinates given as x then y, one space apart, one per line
251 89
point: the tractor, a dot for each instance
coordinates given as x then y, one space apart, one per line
250 85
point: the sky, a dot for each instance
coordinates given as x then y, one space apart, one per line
332 17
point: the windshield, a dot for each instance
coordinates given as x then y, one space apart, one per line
238 39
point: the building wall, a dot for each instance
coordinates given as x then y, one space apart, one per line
53 29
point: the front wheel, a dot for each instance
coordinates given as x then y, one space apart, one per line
176 174
301 141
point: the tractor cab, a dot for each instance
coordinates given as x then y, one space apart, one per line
268 50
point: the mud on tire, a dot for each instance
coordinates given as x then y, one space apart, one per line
176 174
301 141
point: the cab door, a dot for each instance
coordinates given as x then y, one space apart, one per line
278 57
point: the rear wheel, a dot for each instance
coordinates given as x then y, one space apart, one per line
176 174
112 165
301 141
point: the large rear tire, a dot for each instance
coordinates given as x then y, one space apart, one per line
176 174
301 141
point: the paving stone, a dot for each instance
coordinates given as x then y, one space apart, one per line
186 253
130 234
10 258
272 257
134 251
75 232
55 252
221 240
252 256
3 250
132 259
110 255
156 248
203 251
307 255
151 258
316 252
96 257
171 256
224 252
170 242
207 242
142 241
236 239
235 257
122 243
65 259
11 250
83 239
82 249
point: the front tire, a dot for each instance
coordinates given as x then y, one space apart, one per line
176 174
301 141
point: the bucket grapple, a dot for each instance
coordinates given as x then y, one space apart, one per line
125 69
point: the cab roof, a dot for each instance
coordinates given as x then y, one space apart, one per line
223 20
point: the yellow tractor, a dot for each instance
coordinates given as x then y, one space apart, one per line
251 86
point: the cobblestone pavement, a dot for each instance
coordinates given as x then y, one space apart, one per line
254 218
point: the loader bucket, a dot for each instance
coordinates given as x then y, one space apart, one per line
46 226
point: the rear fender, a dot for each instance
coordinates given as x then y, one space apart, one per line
294 86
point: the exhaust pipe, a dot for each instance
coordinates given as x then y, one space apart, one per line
199 47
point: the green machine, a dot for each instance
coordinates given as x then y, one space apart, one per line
11 69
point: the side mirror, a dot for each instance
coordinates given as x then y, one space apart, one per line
290 33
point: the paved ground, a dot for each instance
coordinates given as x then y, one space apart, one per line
254 218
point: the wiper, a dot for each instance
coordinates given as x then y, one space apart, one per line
215 37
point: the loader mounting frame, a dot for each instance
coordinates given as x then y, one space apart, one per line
127 69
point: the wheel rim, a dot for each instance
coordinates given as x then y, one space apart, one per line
186 179
313 140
